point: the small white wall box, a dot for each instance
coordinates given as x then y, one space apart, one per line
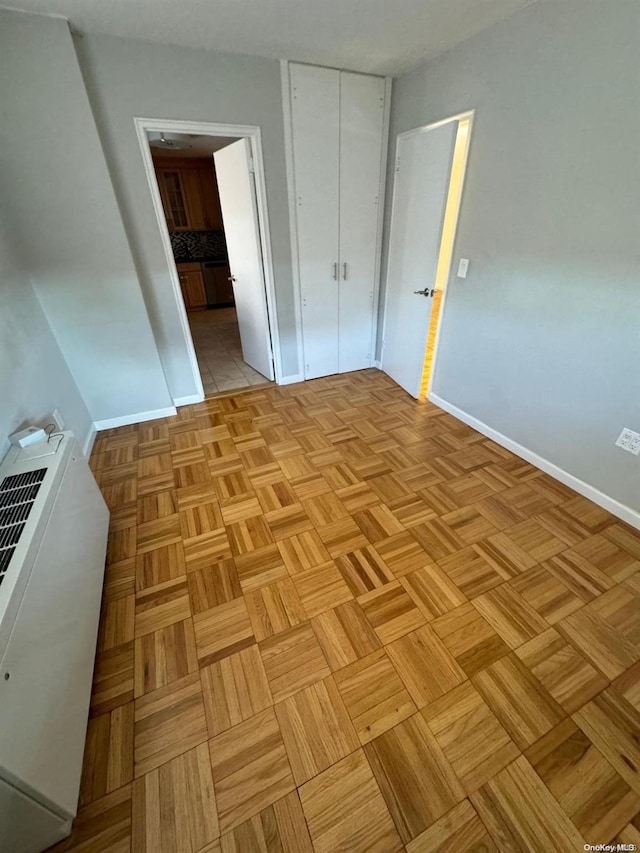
27 436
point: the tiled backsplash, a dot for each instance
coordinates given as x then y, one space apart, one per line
198 246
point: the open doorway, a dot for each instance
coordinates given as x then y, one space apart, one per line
429 179
211 208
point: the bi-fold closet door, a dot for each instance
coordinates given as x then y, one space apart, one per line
337 120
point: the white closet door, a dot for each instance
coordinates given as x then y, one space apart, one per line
315 114
361 123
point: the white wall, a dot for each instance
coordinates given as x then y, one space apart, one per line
127 79
542 340
70 237
34 377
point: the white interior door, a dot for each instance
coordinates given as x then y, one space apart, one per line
423 168
241 230
315 116
361 120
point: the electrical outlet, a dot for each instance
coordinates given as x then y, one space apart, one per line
630 441
57 418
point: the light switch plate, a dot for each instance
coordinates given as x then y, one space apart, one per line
463 266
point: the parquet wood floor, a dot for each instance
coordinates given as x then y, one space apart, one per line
337 619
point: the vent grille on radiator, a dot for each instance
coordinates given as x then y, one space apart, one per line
17 496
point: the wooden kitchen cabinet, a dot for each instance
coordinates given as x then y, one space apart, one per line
189 193
192 286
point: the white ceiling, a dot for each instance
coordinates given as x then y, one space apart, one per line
378 36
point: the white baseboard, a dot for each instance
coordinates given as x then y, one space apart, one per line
87 446
187 401
626 513
137 418
291 380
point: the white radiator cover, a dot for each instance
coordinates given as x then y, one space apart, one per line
49 614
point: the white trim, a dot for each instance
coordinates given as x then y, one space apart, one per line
188 401
252 133
377 363
622 511
87 445
137 418
285 81
292 379
468 114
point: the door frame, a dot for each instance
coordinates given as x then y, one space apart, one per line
468 115
201 128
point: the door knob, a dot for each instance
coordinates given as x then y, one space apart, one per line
231 278
425 292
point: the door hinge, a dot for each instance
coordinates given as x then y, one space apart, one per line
252 168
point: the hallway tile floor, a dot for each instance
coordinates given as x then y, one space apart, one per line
216 338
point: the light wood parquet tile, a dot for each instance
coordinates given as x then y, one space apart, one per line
293 660
460 830
299 571
596 799
159 566
302 552
470 736
546 593
168 722
602 638
234 689
521 813
161 605
563 671
416 780
344 634
364 570
391 612
163 656
374 695
432 591
113 678
342 536
274 608
117 623
223 631
103 826
260 567
521 703
316 729
108 761
510 615
174 806
612 725
470 572
470 639
628 685
402 553
344 810
426 666
202 551
250 769
321 588
280 827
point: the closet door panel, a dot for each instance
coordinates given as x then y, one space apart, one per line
361 126
315 113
